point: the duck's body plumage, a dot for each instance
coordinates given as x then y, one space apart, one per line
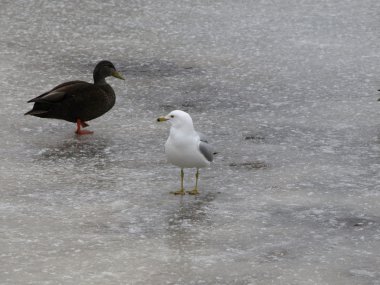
74 100
78 101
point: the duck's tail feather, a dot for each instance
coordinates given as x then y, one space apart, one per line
36 112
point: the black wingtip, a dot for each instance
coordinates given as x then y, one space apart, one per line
35 112
32 100
29 113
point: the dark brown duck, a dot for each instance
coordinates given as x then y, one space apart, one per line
78 101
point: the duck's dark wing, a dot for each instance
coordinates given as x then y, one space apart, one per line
69 101
54 94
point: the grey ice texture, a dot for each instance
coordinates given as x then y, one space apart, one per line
284 90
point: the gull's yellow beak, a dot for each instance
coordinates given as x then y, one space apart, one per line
117 74
161 119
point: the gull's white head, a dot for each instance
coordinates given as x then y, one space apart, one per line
177 119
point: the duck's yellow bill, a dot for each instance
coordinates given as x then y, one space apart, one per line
117 74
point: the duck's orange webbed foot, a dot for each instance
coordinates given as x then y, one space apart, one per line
83 124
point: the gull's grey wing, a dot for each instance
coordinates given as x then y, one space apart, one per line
202 137
206 150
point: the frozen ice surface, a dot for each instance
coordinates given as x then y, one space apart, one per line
285 90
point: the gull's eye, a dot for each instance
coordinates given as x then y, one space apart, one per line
171 116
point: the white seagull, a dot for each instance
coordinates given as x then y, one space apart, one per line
185 147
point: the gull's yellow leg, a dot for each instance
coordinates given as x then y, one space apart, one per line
182 190
195 190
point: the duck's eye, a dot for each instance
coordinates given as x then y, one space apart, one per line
171 116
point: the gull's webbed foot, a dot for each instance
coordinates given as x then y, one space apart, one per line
179 192
193 192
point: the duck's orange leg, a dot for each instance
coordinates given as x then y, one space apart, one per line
83 124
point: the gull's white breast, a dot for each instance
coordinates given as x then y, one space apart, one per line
182 150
